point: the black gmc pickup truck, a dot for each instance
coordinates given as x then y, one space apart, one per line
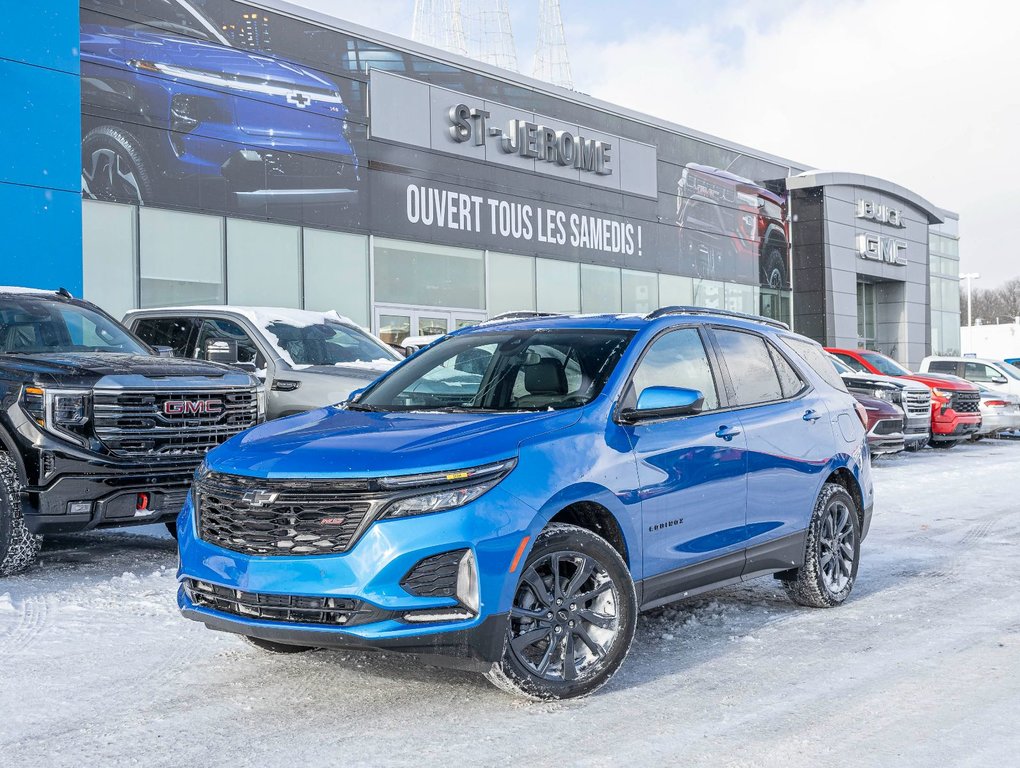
96 428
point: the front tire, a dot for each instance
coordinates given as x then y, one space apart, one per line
18 546
832 552
573 618
114 167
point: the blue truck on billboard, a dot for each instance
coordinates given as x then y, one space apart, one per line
174 111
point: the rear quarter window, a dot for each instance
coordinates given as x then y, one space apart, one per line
813 354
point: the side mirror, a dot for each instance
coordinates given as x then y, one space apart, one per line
162 351
1000 380
221 351
664 403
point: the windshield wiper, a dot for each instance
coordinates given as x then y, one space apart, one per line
363 407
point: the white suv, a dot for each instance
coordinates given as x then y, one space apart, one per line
997 375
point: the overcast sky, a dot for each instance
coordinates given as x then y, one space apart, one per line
921 92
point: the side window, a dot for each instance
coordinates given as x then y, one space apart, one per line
812 353
789 380
942 366
750 365
176 333
851 362
978 372
228 330
677 359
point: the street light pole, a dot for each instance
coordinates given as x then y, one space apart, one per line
970 277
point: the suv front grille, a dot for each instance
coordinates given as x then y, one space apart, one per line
298 609
171 423
917 403
966 402
888 427
284 517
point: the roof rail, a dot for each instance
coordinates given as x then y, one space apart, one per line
666 311
510 317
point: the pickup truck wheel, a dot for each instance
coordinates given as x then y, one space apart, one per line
114 167
18 547
573 617
271 647
832 552
773 267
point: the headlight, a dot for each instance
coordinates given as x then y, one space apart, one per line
889 395
460 487
64 412
942 393
260 400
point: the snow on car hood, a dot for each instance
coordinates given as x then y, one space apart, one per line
336 442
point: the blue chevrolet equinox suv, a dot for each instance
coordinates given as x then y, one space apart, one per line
512 495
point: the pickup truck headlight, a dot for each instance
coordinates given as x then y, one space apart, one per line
260 402
63 412
455 488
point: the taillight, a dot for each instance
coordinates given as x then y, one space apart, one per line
862 414
996 403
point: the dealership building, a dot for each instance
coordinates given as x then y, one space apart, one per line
259 153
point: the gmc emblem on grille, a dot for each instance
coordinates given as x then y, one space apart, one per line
259 498
192 407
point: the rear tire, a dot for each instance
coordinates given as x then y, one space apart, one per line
832 552
271 647
18 546
573 618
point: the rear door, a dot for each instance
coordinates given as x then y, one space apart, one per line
788 433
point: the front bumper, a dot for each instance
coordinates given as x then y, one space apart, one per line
956 429
371 573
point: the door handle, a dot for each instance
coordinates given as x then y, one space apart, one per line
811 415
727 433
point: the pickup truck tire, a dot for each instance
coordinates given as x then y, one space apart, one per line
18 547
114 167
773 266
573 617
832 552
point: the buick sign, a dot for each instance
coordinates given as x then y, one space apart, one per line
531 140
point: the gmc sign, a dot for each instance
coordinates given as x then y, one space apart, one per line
192 407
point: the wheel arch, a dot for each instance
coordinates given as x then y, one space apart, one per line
844 477
596 518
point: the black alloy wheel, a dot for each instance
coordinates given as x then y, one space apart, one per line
572 619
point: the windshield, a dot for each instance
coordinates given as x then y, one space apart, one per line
502 371
885 365
840 366
327 343
31 325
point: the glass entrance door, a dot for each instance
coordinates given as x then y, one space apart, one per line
394 323
867 316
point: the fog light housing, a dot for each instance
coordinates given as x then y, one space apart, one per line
79 507
428 615
467 582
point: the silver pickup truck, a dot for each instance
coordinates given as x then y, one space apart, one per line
307 359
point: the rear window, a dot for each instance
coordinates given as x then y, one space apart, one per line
942 366
813 354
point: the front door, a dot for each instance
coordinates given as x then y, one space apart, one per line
394 323
691 470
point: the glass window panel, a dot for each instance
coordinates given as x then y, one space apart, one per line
263 264
677 359
428 275
740 298
708 293
336 274
433 326
511 283
675 291
557 285
180 258
640 291
393 329
751 370
600 288
109 237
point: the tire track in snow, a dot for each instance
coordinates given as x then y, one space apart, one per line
32 615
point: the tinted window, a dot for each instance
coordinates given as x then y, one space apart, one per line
176 333
228 330
326 343
850 362
942 366
677 359
31 325
789 379
750 365
820 362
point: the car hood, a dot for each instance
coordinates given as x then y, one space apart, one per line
98 364
336 442
120 45
941 380
367 371
882 381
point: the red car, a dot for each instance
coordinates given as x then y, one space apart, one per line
955 402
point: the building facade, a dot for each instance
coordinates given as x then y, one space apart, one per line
260 153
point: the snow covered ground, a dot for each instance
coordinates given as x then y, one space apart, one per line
921 667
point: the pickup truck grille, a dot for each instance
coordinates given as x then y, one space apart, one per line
284 517
299 609
171 424
966 402
917 403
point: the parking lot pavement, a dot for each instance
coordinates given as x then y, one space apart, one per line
920 667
